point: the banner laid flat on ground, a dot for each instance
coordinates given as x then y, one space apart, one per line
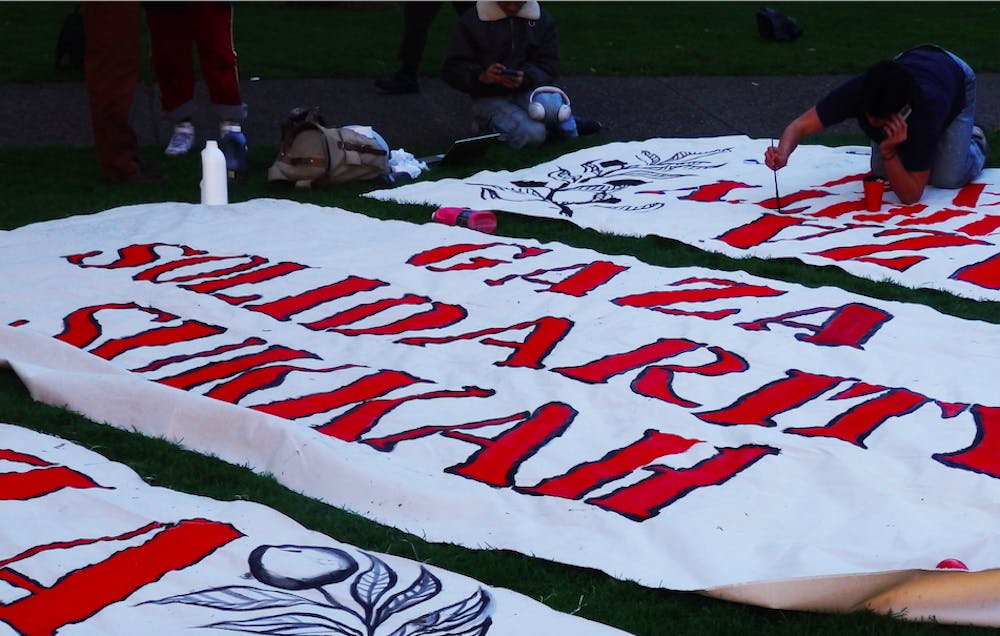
135 559
716 194
685 428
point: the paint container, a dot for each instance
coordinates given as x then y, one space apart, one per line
480 220
214 186
874 188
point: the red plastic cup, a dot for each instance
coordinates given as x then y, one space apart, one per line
874 188
952 564
479 220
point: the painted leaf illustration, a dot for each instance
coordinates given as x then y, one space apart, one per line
448 619
654 173
237 598
291 624
529 184
370 586
424 588
476 630
590 187
561 174
624 183
632 208
494 192
681 155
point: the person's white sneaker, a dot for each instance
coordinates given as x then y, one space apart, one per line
182 139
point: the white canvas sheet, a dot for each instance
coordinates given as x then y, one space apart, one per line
86 547
716 194
685 428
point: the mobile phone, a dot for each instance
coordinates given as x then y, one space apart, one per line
509 71
905 111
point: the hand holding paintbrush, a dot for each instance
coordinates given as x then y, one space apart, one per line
771 158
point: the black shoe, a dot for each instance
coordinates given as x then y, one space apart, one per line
398 84
586 126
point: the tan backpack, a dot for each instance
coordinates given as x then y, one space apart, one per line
314 156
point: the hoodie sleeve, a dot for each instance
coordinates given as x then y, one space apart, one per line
461 67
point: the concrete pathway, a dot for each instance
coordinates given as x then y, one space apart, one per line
56 114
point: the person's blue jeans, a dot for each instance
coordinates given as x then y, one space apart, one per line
960 156
509 117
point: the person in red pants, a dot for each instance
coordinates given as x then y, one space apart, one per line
175 29
111 74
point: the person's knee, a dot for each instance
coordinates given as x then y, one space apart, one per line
948 179
952 177
517 129
534 135
523 136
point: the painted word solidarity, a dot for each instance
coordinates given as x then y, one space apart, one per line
354 400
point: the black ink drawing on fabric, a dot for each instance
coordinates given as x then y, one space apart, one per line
309 570
599 182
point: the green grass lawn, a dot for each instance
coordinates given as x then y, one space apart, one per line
358 39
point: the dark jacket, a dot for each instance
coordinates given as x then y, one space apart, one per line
519 43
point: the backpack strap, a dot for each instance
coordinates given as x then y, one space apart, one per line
354 156
313 161
360 148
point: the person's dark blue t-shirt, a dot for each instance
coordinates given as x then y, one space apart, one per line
939 96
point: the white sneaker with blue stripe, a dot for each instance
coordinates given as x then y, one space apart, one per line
182 139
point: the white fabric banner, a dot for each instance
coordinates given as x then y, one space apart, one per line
716 194
86 547
685 428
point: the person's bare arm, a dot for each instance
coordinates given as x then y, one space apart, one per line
908 186
808 123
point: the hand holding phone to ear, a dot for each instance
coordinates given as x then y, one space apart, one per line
895 131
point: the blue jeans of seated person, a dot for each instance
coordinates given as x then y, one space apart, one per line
509 117
960 156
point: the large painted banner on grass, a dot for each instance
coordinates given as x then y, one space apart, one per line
86 547
685 428
716 194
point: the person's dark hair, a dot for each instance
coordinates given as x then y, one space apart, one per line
885 88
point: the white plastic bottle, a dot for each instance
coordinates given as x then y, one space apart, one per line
214 184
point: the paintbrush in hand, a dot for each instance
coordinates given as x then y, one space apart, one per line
777 198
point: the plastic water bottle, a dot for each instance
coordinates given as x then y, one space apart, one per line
480 220
214 188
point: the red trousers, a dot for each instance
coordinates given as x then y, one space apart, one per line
111 72
174 31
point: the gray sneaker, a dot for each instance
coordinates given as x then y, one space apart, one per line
182 139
